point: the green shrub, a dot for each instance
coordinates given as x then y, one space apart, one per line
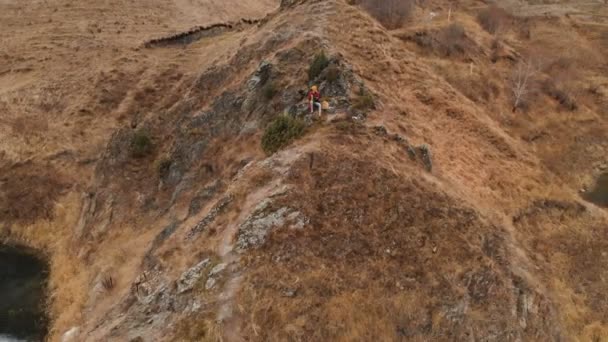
363 101
333 73
270 90
141 144
164 166
318 65
280 132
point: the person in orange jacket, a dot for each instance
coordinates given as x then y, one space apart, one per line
314 99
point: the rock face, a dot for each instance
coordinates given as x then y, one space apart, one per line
189 278
253 232
71 335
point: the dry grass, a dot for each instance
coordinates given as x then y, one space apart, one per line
382 275
392 14
28 192
494 19
200 328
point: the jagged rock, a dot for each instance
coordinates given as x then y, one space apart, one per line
219 207
253 231
261 75
71 335
189 278
219 268
210 284
213 275
197 203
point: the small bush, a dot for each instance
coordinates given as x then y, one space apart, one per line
332 74
164 167
392 14
282 131
451 39
270 90
363 101
493 19
141 144
562 96
317 66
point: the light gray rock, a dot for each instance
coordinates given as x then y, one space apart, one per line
189 278
254 230
219 268
210 284
71 335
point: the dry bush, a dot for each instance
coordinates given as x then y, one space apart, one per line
561 83
494 19
451 40
392 14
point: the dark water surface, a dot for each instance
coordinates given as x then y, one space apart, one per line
599 194
23 279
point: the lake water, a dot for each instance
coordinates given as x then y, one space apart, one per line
6 338
23 279
599 193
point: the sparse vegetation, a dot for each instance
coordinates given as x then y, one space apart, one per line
363 101
163 167
333 73
451 39
282 131
493 19
319 63
392 14
141 144
556 91
561 82
269 90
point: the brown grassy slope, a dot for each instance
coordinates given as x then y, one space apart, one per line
484 162
70 74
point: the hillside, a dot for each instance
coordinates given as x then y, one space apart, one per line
430 204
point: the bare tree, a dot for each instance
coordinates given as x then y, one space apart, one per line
523 78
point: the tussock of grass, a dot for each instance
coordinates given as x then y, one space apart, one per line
270 90
363 101
141 144
332 74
